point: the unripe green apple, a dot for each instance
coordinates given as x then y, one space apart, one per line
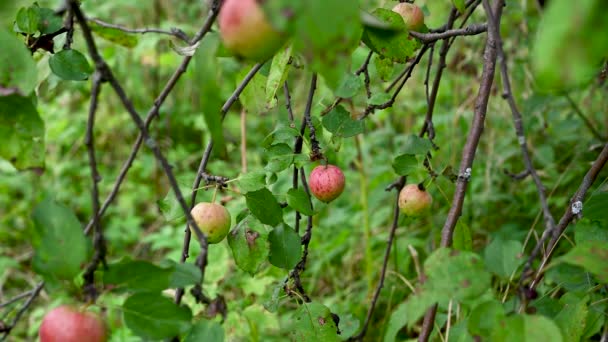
412 15
213 220
69 324
326 182
246 31
414 200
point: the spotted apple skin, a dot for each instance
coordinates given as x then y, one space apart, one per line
69 324
327 182
412 15
414 201
247 32
212 219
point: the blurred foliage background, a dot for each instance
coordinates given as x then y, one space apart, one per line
349 237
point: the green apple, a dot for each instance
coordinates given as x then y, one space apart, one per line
213 220
246 31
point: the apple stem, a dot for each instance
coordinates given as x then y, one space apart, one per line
421 186
214 195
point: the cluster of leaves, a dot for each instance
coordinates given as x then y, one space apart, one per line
474 284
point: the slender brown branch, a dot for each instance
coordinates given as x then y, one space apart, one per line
408 73
574 209
387 253
98 238
32 295
466 164
471 30
174 32
151 115
585 119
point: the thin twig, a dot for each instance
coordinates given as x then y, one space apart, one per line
470 147
33 294
471 30
387 253
574 209
521 137
98 238
315 150
371 108
174 32
585 119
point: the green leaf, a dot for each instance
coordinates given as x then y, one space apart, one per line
595 208
277 75
22 132
326 33
137 275
206 74
455 275
49 21
582 40
314 322
503 257
350 86
207 331
586 230
394 45
485 317
253 97
183 275
339 122
396 322
60 248
460 5
27 19
573 317
405 164
264 206
153 316
299 200
379 99
285 247
18 70
384 68
592 256
252 181
70 65
280 157
114 35
526 328
463 239
248 242
416 145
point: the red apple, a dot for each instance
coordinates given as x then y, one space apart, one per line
326 182
246 31
414 200
69 324
412 15
213 220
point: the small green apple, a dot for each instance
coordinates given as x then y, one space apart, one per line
246 31
213 220
414 200
412 15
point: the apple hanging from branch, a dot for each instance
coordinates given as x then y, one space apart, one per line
247 32
326 182
414 200
412 15
213 220
70 324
